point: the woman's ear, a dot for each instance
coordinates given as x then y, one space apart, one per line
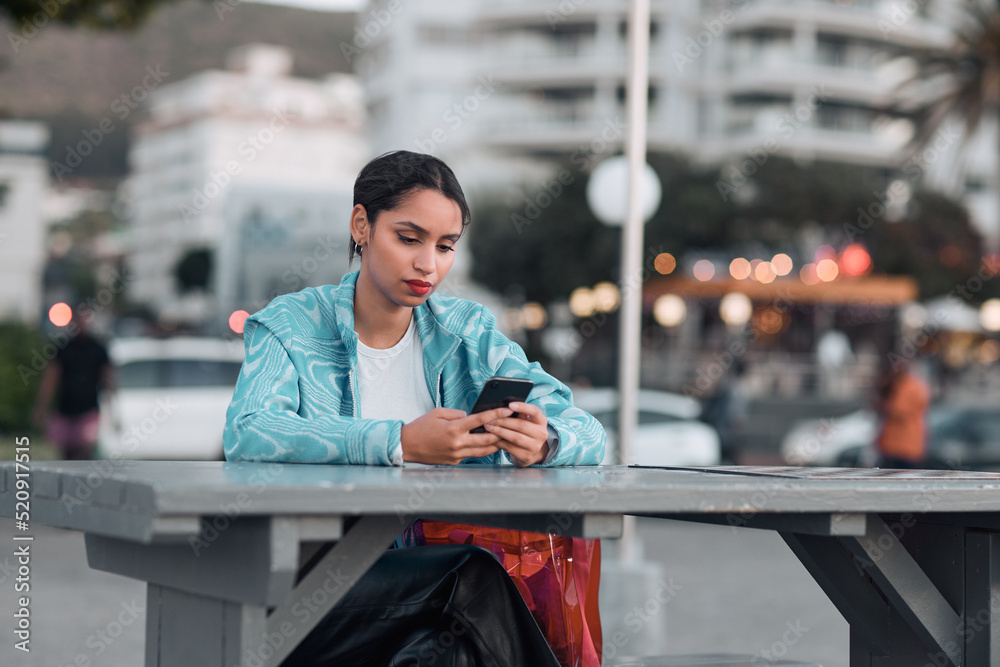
360 227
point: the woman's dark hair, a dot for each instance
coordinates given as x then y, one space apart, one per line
385 182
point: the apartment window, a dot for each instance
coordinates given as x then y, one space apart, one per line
443 34
621 95
974 185
831 51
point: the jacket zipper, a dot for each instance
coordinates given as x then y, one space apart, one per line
354 395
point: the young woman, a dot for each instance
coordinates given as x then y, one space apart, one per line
380 370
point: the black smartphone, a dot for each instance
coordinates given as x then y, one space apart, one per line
499 392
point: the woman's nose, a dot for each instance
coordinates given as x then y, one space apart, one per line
424 260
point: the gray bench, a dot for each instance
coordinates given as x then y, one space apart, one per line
708 660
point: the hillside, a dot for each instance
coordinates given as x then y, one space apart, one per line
69 77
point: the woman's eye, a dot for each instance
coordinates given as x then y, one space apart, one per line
446 248
407 239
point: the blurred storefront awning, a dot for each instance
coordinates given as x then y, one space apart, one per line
871 290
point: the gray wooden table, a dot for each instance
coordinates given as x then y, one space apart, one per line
242 560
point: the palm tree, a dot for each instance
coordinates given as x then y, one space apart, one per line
960 81
92 13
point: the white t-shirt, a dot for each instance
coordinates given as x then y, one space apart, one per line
391 382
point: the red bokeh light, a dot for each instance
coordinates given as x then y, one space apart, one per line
60 314
855 260
237 319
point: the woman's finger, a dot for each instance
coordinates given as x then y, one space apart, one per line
529 410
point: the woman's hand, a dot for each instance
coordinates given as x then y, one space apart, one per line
525 437
442 436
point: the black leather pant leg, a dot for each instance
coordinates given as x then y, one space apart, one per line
418 599
437 647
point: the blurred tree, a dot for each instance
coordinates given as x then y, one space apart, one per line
91 13
963 79
22 357
194 269
543 246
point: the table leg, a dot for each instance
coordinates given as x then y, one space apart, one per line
982 599
184 629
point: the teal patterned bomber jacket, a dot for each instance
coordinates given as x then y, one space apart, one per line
296 398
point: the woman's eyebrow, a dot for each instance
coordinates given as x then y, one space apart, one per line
420 230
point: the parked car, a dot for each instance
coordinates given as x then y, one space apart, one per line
959 437
172 397
668 433
832 441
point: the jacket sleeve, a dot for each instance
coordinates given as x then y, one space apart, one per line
263 422
581 437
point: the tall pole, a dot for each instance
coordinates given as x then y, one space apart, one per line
629 337
635 151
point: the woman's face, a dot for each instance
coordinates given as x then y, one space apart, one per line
411 248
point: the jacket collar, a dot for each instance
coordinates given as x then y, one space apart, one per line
438 342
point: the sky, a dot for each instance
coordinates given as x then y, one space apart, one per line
331 5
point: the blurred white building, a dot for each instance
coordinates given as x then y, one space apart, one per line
731 81
215 133
24 184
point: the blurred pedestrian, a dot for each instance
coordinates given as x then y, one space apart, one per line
834 356
901 405
80 370
726 411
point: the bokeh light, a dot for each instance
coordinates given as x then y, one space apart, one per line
669 310
534 315
60 314
665 263
764 272
782 264
237 319
704 270
606 297
827 270
855 260
735 309
739 268
989 352
770 320
989 314
808 274
913 315
581 302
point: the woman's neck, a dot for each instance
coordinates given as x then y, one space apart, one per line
379 323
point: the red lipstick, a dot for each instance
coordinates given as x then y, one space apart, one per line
419 287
